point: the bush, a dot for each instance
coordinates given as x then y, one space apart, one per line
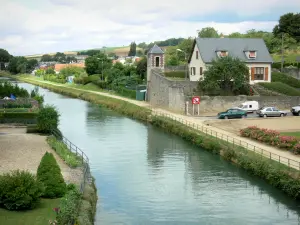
125 92
78 80
272 137
54 78
20 190
179 74
11 105
101 84
62 150
286 79
6 89
47 119
90 79
281 88
18 117
50 175
68 207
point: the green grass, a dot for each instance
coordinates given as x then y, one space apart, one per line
281 88
62 150
38 216
289 57
284 78
294 134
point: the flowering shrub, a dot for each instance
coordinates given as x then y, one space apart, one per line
272 137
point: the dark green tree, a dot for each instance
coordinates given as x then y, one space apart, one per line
47 58
31 65
97 64
141 68
60 57
208 32
226 75
4 58
48 119
132 50
50 175
288 24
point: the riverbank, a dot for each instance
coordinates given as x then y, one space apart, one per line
286 178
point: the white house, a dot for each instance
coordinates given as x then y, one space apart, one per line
253 51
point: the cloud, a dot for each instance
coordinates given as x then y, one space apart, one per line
30 27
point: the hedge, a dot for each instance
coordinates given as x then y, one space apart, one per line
180 74
284 78
18 117
281 88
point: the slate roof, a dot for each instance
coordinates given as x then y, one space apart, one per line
235 47
156 50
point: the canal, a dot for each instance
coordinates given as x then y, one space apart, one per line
147 176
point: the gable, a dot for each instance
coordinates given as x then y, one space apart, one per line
236 47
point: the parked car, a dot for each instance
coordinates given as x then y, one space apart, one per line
271 112
232 114
296 110
249 106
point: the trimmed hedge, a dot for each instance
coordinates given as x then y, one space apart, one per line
179 74
281 88
284 78
50 175
18 117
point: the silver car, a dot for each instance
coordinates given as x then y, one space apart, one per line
270 112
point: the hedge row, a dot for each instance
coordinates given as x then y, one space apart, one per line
275 173
286 79
179 74
281 88
18 117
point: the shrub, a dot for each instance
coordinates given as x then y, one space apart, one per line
101 84
90 79
18 117
20 190
62 150
11 105
281 88
286 79
68 207
78 80
125 92
6 89
54 78
272 137
47 119
50 175
179 74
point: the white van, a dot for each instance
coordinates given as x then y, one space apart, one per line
250 106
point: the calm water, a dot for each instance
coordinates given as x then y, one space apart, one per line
147 176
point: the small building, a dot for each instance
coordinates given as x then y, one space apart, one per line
59 67
253 51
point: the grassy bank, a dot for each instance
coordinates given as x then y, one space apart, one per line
277 174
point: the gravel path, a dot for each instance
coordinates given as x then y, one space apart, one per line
19 150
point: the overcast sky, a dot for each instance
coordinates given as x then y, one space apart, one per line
41 26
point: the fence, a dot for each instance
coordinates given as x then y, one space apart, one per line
291 163
85 160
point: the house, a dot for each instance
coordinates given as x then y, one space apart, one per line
59 67
253 51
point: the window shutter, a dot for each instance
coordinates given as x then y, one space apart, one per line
201 72
266 73
252 73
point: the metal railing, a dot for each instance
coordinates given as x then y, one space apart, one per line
84 159
291 163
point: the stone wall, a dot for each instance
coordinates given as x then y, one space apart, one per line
221 103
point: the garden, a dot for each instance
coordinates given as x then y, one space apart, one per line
284 141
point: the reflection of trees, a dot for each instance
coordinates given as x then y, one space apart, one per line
99 114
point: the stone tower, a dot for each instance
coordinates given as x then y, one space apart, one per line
155 60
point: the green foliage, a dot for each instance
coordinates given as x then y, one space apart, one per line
4 56
54 78
73 71
68 207
101 84
50 71
47 58
20 190
11 105
62 150
96 64
281 88
91 78
7 88
18 117
180 74
286 79
132 50
125 92
36 95
141 67
39 72
226 75
288 24
91 52
208 32
50 175
47 119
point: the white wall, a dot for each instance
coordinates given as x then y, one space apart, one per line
259 65
196 63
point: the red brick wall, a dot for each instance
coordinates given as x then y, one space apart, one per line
161 59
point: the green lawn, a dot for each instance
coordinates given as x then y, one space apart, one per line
294 134
39 216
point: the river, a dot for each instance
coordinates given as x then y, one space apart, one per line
147 176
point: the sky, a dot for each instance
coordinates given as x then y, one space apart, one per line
37 27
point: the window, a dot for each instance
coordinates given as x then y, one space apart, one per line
250 106
259 73
269 109
223 53
252 54
201 70
157 61
193 70
197 54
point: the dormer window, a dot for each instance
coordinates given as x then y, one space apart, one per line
222 53
252 54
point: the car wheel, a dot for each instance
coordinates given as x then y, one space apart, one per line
265 115
226 117
281 115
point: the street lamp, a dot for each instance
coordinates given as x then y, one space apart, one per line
185 58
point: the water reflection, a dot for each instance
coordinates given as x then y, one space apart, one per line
147 176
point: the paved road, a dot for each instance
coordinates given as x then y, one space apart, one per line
249 116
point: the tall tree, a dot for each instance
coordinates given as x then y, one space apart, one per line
141 67
97 64
288 24
46 58
208 32
60 57
4 58
132 50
